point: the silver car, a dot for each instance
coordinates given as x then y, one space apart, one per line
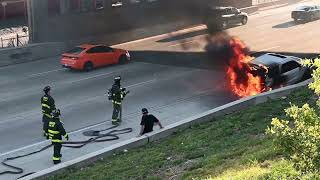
278 69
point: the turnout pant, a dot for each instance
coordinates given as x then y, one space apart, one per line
56 152
117 113
45 121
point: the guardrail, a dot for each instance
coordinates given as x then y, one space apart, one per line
14 41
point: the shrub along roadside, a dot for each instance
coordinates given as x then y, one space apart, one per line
298 134
231 146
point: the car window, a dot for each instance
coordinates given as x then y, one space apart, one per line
229 11
106 49
304 8
76 50
289 66
234 11
99 49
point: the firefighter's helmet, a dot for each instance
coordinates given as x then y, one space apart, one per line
46 89
56 113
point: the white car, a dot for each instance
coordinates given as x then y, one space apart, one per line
278 69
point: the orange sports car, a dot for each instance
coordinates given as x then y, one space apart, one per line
87 57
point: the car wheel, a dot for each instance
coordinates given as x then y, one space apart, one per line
268 82
224 25
311 17
307 75
88 66
295 20
244 21
123 59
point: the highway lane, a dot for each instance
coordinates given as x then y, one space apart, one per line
168 72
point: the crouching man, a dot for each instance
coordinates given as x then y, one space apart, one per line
147 122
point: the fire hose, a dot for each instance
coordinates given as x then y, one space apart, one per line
97 136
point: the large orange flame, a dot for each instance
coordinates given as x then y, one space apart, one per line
240 80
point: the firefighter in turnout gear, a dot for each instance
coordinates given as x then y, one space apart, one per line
55 131
116 95
48 105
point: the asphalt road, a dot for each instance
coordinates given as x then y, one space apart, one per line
170 74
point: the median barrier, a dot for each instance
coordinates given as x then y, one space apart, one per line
250 10
32 52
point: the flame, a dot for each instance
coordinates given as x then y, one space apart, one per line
240 79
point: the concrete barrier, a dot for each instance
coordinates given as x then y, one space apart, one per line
279 2
250 10
169 130
29 53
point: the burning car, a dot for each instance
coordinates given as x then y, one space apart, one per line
278 70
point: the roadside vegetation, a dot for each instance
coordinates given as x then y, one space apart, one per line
262 142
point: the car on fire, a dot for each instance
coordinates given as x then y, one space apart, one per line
222 17
306 13
278 70
87 57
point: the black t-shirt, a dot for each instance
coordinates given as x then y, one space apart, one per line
148 122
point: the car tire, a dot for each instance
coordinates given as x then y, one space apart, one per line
224 25
307 75
295 20
269 82
311 17
123 59
244 21
88 66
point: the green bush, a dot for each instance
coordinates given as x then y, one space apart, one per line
298 136
282 170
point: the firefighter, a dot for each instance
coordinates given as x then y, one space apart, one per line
48 105
116 95
55 131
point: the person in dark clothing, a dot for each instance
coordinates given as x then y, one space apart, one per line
117 94
47 105
147 122
55 130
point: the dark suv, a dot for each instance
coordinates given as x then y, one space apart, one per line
221 17
306 13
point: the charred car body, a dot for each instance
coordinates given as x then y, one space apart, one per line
277 70
306 13
219 18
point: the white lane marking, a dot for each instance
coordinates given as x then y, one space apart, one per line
187 42
46 72
270 48
90 77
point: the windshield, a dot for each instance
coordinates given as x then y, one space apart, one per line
76 50
303 8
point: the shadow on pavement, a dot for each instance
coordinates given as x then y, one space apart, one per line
184 59
286 25
291 24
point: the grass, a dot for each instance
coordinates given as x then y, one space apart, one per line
232 146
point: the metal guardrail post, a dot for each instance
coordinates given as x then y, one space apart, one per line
1 42
17 40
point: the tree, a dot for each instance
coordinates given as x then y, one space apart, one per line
298 135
